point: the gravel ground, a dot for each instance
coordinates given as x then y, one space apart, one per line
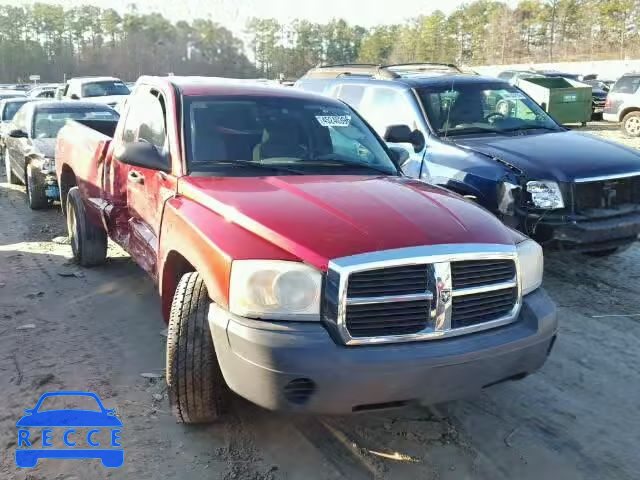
98 330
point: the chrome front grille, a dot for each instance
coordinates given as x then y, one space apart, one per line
422 293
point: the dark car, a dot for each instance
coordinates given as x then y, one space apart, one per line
486 139
30 145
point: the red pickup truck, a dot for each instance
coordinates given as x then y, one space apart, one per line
296 265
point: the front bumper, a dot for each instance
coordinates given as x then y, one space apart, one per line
266 361
588 235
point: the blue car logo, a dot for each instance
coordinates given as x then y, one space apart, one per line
67 420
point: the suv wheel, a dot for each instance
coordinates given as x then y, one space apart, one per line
88 241
36 196
197 390
631 124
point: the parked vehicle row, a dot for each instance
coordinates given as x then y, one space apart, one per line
483 138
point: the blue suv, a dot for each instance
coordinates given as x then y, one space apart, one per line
486 139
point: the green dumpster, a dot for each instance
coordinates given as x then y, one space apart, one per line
566 100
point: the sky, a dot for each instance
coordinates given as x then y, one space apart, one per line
233 14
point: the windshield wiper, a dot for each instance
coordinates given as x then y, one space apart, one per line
333 160
529 127
465 130
252 164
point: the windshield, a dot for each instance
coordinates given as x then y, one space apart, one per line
279 136
104 89
10 110
47 123
475 108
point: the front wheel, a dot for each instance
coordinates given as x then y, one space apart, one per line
197 390
36 194
88 241
631 124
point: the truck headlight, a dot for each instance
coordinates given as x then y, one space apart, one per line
531 263
275 289
545 195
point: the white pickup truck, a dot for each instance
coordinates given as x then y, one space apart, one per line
106 90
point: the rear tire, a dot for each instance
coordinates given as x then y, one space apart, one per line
11 177
631 124
197 390
88 241
36 194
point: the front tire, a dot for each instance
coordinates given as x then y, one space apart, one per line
88 241
197 390
36 195
11 177
631 124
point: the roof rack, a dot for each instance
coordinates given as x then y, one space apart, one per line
371 70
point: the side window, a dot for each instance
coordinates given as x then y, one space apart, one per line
152 128
145 120
383 107
351 94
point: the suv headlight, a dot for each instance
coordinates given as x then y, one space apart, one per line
531 263
275 289
545 195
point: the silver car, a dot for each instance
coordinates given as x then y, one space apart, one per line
623 104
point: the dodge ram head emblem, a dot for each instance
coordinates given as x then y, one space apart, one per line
445 295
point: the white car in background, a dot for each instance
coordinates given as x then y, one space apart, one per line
106 90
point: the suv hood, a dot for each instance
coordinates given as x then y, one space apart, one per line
560 156
318 218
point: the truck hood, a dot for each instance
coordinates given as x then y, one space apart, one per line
560 156
318 218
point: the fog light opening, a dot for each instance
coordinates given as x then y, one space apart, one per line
299 391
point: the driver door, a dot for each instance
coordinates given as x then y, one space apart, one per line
146 189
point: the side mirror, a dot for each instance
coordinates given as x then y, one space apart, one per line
399 156
17 133
145 155
74 97
403 134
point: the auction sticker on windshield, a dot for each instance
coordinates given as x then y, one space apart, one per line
83 430
334 120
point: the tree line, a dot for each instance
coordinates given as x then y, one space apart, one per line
54 41
482 32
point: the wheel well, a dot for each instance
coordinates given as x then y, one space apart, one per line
175 266
627 111
67 182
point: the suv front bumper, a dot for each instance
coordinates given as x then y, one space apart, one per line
299 367
587 235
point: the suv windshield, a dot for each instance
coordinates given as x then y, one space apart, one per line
104 89
279 136
48 122
458 109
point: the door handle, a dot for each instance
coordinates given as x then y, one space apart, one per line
136 177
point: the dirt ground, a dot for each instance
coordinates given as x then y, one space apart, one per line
66 328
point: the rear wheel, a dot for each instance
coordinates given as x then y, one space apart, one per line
36 195
11 177
197 390
88 241
631 124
